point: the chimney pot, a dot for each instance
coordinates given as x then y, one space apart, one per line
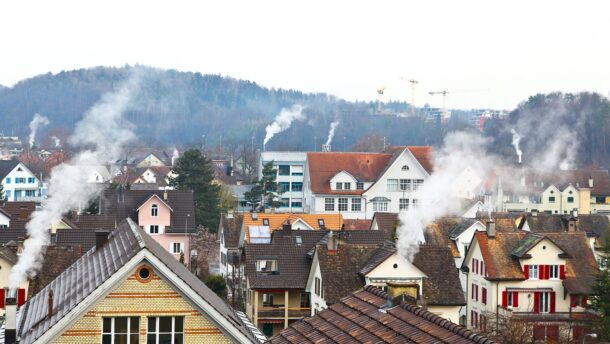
10 327
165 195
591 182
50 304
101 238
491 229
332 244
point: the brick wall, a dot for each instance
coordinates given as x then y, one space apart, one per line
143 299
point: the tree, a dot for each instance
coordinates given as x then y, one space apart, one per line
194 172
601 302
254 197
217 284
264 194
226 199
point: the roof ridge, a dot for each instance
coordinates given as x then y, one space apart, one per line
134 228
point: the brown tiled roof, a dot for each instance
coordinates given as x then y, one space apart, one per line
124 203
385 221
8 254
20 213
356 224
442 287
438 233
231 229
293 262
340 269
75 237
362 318
87 221
497 255
56 260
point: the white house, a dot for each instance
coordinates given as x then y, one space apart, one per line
290 167
19 183
359 184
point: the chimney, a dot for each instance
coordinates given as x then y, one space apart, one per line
101 238
590 182
573 222
50 304
491 229
10 327
165 195
534 212
287 227
332 245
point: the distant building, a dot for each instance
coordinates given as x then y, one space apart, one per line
19 183
291 170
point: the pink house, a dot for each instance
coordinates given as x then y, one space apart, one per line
168 216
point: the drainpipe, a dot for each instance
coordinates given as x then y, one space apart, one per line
497 312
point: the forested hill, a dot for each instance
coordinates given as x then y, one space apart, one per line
181 107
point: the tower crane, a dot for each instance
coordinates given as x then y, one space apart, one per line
413 82
444 93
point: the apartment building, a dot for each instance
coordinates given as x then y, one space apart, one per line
291 170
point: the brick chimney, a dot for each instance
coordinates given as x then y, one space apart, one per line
101 238
491 229
332 245
573 222
590 182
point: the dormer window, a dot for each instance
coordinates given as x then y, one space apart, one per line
154 210
266 222
347 186
339 186
321 223
359 186
266 266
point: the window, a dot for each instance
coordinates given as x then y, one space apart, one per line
405 185
285 202
8 180
176 247
347 186
266 265
551 199
598 199
121 330
356 204
268 300
414 203
31 180
403 204
405 168
266 222
511 299
380 206
7 193
533 274
417 184
484 296
283 170
554 272
297 186
544 304
283 187
297 170
154 210
296 204
392 184
153 229
329 204
570 199
339 186
342 204
359 186
475 292
321 223
165 330
317 286
305 300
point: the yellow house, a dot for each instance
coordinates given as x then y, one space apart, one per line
127 289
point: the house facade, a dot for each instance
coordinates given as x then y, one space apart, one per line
291 170
543 279
19 183
357 185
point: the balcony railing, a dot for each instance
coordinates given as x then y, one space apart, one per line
28 199
279 312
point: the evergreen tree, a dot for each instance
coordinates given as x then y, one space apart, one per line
194 172
2 199
601 300
254 197
217 284
264 193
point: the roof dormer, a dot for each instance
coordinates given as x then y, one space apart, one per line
343 181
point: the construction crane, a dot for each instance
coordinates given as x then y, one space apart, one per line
380 91
444 94
413 82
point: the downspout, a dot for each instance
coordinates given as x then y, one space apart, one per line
497 306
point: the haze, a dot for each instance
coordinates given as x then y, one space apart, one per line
486 53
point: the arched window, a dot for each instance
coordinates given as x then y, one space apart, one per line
405 167
154 210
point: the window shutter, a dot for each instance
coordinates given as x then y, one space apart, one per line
526 271
552 302
515 299
20 297
547 273
484 296
536 302
2 297
562 272
584 300
541 272
504 299
481 267
573 300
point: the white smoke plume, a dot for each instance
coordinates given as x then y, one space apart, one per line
36 122
516 140
175 156
56 141
102 133
460 167
283 121
331 132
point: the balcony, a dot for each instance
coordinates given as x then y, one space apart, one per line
36 199
279 311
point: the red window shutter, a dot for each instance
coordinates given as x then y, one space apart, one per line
536 302
2 298
562 272
476 292
547 273
584 301
541 272
481 267
504 299
474 266
526 271
515 299
472 291
552 302
484 296
573 300
20 297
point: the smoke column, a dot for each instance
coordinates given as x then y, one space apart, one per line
283 121
36 122
103 133
175 156
516 140
331 133
459 169
56 141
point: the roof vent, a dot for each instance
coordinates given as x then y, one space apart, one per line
254 216
101 238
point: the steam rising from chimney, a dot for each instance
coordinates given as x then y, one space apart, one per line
175 156
516 140
56 141
331 132
102 133
36 122
460 167
283 121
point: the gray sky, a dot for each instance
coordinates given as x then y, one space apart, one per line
488 53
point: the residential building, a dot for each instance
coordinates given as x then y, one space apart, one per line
168 216
146 178
371 315
8 259
126 290
357 185
540 278
19 183
291 170
229 229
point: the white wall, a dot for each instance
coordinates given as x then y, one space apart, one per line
10 188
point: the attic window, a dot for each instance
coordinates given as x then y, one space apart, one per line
405 167
19 169
266 266
265 222
298 240
321 222
143 274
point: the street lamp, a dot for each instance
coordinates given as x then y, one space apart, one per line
592 335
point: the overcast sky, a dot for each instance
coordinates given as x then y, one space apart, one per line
486 53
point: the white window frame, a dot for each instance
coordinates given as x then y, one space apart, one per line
327 204
380 206
154 210
343 204
347 186
417 184
554 272
531 273
129 333
150 229
356 204
392 184
545 302
404 184
173 333
172 247
339 186
403 204
359 186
